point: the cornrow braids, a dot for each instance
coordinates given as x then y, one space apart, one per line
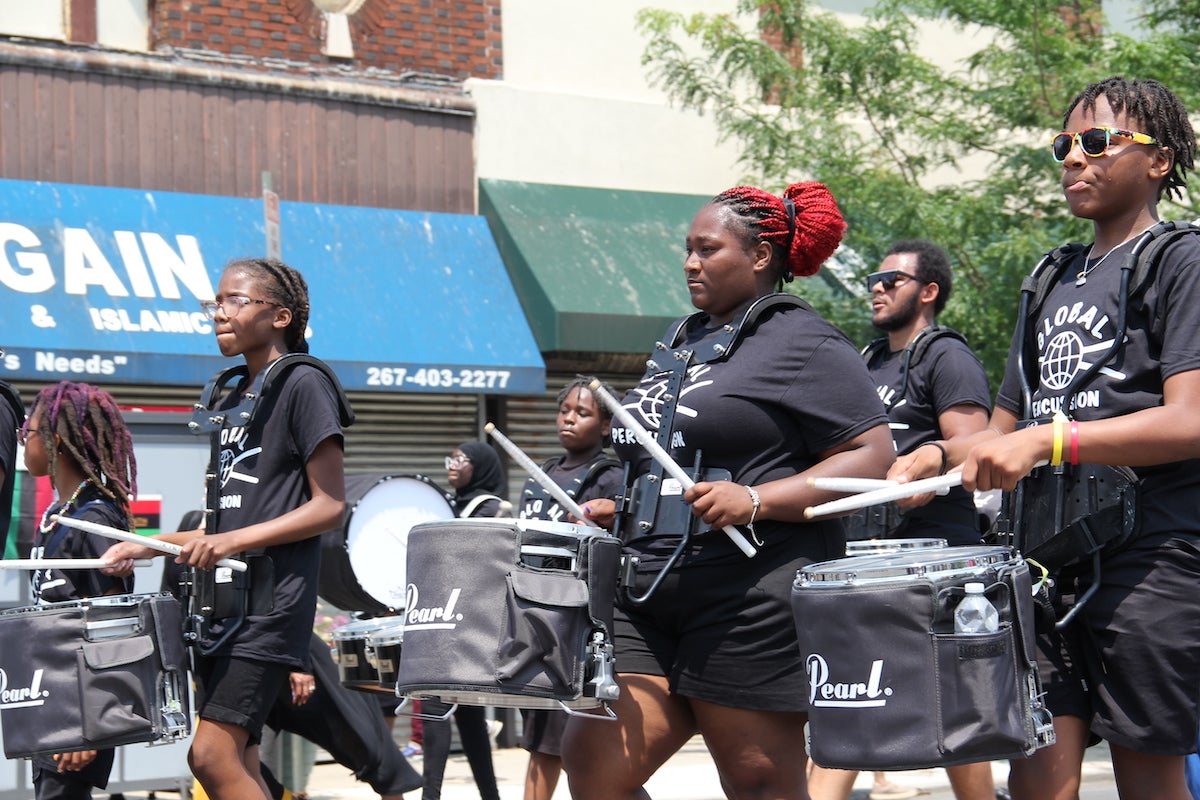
1158 112
91 430
285 286
585 382
804 227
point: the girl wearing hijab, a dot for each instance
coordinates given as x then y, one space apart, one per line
475 473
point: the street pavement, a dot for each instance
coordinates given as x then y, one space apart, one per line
690 775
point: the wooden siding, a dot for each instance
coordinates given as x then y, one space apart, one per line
67 126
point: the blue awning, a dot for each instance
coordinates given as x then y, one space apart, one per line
103 285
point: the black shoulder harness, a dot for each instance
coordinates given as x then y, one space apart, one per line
913 353
1138 270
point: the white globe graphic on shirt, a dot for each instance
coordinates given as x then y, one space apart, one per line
1061 360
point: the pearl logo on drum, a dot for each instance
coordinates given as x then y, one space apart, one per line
431 618
25 697
824 692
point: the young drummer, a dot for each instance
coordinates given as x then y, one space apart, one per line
281 487
1126 667
75 434
584 471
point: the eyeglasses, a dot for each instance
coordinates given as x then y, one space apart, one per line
457 462
231 305
889 278
23 435
1094 141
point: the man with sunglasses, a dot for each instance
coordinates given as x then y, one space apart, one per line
934 390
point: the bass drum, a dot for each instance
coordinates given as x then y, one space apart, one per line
363 561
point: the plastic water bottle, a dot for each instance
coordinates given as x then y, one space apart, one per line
975 614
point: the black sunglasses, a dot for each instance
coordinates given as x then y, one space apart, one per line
889 278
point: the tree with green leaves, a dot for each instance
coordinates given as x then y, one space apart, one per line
958 155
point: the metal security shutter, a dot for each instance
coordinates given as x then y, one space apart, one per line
531 422
409 433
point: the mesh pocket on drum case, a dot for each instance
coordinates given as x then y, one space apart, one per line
546 618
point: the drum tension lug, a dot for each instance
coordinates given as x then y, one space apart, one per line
603 684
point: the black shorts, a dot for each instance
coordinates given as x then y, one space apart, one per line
238 691
722 632
1129 662
542 730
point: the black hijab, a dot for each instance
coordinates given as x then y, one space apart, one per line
487 477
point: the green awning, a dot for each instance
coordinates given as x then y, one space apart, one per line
596 270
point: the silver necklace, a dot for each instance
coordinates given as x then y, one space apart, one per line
1088 269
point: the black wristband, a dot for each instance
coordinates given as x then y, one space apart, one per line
945 456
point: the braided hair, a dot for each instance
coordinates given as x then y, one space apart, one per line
803 227
1159 113
284 286
584 383
91 430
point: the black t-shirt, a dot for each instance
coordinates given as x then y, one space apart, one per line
8 462
792 388
1077 324
581 484
262 477
60 585
947 374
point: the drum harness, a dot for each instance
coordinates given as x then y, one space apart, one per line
1103 487
236 595
880 520
640 507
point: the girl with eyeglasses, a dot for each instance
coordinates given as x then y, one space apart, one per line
281 486
75 434
475 473
1126 667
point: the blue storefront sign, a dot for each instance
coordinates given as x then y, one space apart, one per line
104 285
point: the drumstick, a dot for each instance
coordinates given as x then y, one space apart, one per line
538 474
854 484
62 563
661 456
146 541
850 484
884 495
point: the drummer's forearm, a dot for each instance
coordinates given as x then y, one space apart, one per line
1001 422
867 455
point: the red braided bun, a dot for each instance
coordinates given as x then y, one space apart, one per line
818 223
819 227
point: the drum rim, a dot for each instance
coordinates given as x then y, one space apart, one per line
905 565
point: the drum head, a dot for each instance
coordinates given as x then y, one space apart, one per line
363 568
936 565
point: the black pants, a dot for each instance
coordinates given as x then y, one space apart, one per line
472 732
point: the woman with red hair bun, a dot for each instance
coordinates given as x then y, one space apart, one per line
753 395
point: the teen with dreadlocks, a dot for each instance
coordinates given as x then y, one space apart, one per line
281 487
761 393
1126 666
75 434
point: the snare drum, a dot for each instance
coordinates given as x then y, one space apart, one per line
509 612
353 654
362 563
385 645
874 547
892 686
91 674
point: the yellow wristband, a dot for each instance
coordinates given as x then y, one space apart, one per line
1056 453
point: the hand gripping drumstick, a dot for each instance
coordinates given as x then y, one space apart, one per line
661 456
146 541
538 474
